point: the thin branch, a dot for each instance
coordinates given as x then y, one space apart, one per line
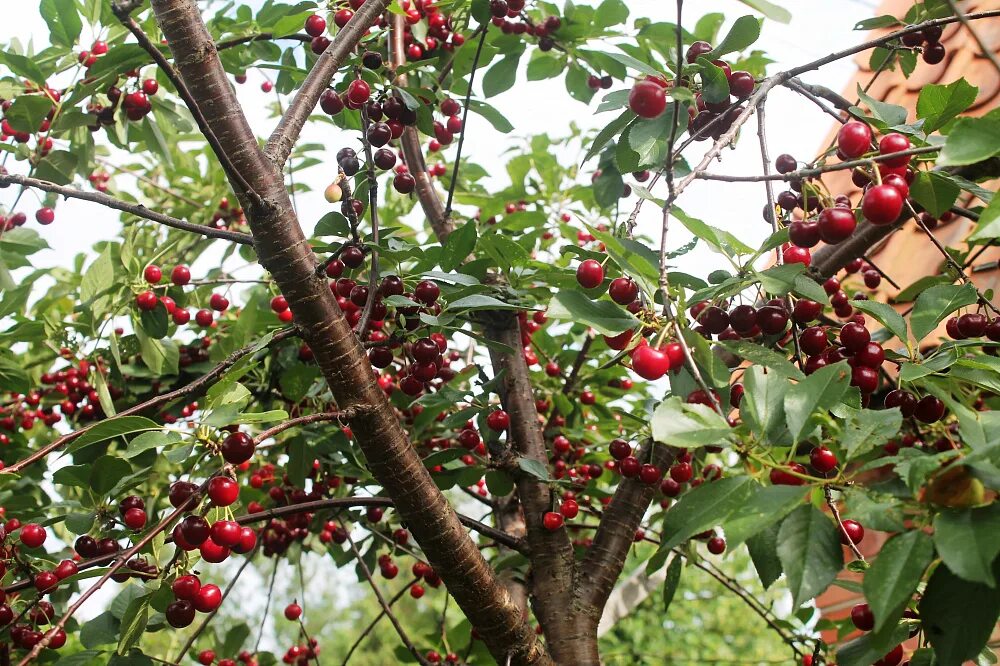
816 171
149 181
208 618
382 602
122 11
284 136
298 421
371 625
267 605
465 118
260 37
986 51
134 209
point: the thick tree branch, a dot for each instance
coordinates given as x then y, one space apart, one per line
604 560
284 136
133 209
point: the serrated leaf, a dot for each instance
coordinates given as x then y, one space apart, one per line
604 316
938 104
936 192
770 10
703 507
971 140
893 577
889 114
676 423
816 394
745 31
116 427
936 303
763 552
715 85
534 468
133 623
988 226
957 615
766 506
968 541
885 315
671 582
867 429
810 554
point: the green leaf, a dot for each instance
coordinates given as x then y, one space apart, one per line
27 112
884 21
885 315
988 226
936 192
608 188
715 85
745 31
971 140
968 541
609 13
160 356
479 302
766 506
640 262
133 623
545 65
867 429
634 63
534 468
936 303
499 483
235 638
958 615
23 67
763 406
63 21
13 376
893 577
762 356
671 582
299 460
604 316
703 507
763 548
154 439
116 427
648 138
815 394
458 246
491 115
770 10
502 75
721 241
106 472
938 104
102 630
809 550
677 423
606 135
99 276
890 114
868 649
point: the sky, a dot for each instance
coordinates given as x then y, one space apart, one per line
818 27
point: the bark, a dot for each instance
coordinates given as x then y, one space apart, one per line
283 250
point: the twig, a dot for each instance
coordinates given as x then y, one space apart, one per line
267 605
465 118
880 271
134 209
161 399
382 602
371 625
149 181
122 11
801 174
260 37
208 618
828 494
296 422
987 52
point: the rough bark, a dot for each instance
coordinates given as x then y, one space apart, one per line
283 250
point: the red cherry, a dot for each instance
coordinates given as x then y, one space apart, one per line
223 491
315 25
781 477
225 533
293 612
208 599
186 587
894 143
248 541
498 420
569 509
134 519
218 302
681 472
822 459
854 139
180 614
741 85
650 363
647 99
619 449
204 318
804 233
895 655
717 545
180 275
152 274
552 521
650 474
146 300
623 290
590 274
66 568
46 581
862 617
836 224
33 535
45 216
929 409
150 87
206 657
237 448
882 204
358 92
630 467
853 530
854 336
212 552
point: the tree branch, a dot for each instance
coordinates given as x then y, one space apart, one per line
134 209
986 51
284 136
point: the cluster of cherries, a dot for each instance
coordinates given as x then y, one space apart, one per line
507 15
180 275
42 139
207 658
863 618
930 39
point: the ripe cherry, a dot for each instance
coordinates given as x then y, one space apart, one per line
206 657
894 143
180 614
785 163
619 449
552 520
804 233
854 139
315 25
427 292
741 84
33 535
853 531
630 467
209 598
650 363
854 336
929 409
623 290
696 50
358 92
212 552
237 447
972 325
498 420
225 533
681 472
647 99
186 587
590 274
223 491
569 509
716 545
293 612
836 224
66 568
179 492
866 379
218 302
45 215
152 274
882 204
134 519
862 617
822 459
180 275
146 300
781 477
650 474
46 581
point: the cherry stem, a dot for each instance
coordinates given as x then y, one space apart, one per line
828 494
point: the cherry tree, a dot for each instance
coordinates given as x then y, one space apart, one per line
438 347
